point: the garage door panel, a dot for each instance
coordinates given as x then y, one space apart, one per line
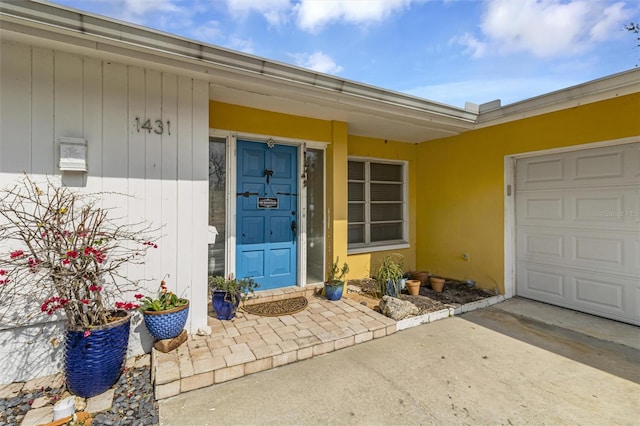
615 253
542 281
578 230
609 296
599 165
543 171
613 165
600 208
599 293
605 251
543 208
536 243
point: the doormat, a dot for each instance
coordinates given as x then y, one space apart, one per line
277 307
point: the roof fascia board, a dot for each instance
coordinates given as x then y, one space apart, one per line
616 85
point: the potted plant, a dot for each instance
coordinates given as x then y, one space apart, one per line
63 252
165 315
437 284
228 292
334 285
389 274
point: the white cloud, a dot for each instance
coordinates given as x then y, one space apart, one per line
274 11
614 16
314 14
318 61
138 10
545 28
474 47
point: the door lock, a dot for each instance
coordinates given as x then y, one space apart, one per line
294 229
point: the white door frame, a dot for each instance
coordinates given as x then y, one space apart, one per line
510 205
231 198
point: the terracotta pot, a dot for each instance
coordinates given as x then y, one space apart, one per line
422 276
437 284
413 287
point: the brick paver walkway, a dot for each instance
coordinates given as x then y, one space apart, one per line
250 343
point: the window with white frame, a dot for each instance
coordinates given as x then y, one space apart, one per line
377 203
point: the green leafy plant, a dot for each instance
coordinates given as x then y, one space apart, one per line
336 273
166 300
238 289
390 271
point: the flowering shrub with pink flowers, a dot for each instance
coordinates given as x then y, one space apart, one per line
60 251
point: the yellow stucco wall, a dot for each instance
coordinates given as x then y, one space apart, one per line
460 206
241 119
250 120
225 116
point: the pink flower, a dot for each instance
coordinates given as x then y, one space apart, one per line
53 304
87 333
72 254
139 296
4 282
95 288
85 301
16 254
127 305
65 261
3 272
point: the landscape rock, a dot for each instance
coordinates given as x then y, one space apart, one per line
205 330
397 309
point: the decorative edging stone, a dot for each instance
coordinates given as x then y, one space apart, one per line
448 312
484 303
423 319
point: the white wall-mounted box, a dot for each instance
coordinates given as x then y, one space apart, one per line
73 154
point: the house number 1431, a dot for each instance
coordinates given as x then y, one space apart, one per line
158 126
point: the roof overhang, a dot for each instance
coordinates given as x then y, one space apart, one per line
248 80
235 77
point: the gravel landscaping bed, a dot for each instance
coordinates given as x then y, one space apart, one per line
133 401
455 293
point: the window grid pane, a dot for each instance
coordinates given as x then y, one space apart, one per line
376 202
385 192
386 172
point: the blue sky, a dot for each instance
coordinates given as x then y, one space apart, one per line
448 51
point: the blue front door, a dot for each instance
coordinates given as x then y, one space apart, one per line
267 204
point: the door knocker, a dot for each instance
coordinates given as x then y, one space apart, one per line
268 173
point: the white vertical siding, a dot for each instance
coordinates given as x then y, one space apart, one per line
42 139
47 94
15 109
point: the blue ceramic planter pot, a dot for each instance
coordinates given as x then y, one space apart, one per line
334 291
223 305
166 324
93 364
392 289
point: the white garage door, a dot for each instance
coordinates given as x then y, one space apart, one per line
578 230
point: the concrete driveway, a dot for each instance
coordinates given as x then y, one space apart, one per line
518 362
